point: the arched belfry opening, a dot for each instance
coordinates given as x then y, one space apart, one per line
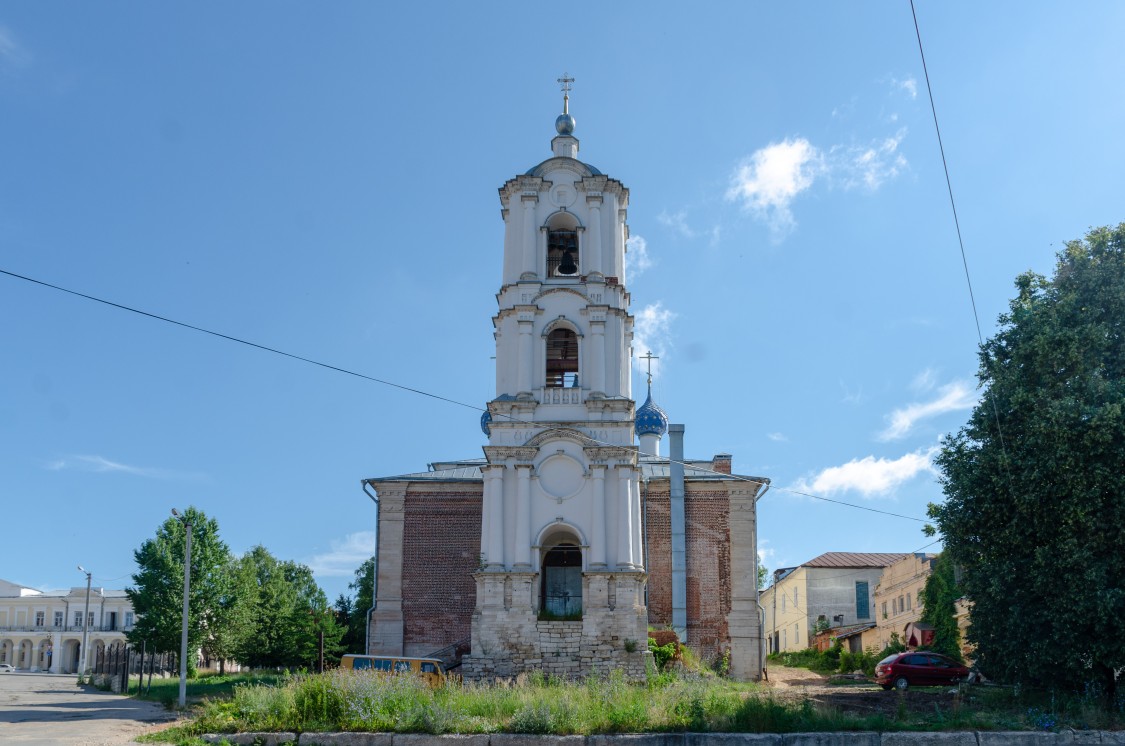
562 246
562 359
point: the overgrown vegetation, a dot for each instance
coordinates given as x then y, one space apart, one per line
837 660
366 701
939 599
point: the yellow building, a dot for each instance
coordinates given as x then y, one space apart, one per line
836 589
898 598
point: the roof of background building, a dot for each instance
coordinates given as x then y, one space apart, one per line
855 559
652 467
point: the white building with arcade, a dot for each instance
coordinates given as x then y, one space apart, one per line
42 631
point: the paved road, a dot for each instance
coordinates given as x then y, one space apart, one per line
49 709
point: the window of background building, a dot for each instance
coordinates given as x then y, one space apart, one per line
861 600
40 618
908 602
58 619
78 619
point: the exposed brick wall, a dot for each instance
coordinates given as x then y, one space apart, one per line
441 550
708 564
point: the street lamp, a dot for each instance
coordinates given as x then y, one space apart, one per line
84 657
187 586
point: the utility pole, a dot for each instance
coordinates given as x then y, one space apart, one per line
84 656
187 587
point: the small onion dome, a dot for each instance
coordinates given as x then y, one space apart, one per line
651 419
485 423
565 124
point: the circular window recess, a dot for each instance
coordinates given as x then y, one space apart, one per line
561 476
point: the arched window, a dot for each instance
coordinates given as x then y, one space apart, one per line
561 578
562 253
562 359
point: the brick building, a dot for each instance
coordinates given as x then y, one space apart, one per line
559 548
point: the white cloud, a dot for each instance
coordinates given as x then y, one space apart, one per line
11 53
910 85
637 259
951 397
869 475
924 381
768 181
651 333
778 437
849 396
868 165
102 465
344 556
677 222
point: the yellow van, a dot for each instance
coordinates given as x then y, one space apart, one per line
429 669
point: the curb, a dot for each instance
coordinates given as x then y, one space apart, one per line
952 738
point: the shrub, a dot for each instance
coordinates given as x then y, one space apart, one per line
661 654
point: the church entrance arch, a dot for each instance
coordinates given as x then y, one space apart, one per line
560 575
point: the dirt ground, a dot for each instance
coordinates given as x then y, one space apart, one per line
52 710
857 698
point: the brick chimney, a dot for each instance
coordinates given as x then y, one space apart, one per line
721 463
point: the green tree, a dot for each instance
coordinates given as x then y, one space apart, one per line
1034 484
158 585
289 612
234 615
939 608
355 640
763 576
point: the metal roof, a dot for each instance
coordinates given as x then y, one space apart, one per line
468 470
855 559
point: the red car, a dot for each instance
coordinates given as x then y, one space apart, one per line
919 669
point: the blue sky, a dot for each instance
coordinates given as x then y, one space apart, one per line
322 179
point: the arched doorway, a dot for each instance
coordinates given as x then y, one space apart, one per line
561 582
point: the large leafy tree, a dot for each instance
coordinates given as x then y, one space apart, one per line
1035 482
158 585
289 612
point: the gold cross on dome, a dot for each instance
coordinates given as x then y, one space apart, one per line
565 82
648 358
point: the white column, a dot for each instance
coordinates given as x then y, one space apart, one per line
495 485
624 518
485 515
596 365
530 244
526 357
56 653
594 235
598 517
523 516
638 527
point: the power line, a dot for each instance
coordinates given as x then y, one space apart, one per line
692 465
957 225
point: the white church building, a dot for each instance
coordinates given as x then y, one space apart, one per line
567 541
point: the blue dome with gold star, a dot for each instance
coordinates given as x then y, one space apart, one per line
651 419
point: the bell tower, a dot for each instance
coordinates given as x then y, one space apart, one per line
560 587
